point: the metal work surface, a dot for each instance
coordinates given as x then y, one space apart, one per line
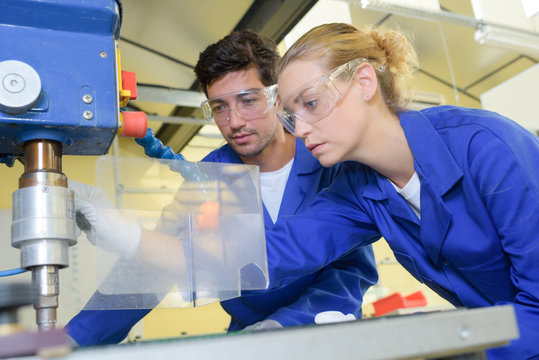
419 336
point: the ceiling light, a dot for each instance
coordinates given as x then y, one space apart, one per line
422 100
520 41
420 10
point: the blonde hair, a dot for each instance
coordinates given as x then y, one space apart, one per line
337 43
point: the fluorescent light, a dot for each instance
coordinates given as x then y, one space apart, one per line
422 100
428 11
519 41
429 5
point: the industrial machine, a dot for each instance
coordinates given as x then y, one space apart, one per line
60 93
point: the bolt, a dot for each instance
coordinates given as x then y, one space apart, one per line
45 189
88 115
87 98
464 332
103 54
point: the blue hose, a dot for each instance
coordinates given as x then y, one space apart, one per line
153 147
11 272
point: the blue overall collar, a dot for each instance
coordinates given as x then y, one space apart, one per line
438 173
432 159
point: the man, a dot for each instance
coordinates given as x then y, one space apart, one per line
236 74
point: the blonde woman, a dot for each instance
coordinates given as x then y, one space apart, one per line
454 191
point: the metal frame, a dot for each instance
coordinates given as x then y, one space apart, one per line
466 333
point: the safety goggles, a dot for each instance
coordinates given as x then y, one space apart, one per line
247 104
316 98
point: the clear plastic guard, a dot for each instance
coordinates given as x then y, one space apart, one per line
210 216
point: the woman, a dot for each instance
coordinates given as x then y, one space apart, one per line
454 191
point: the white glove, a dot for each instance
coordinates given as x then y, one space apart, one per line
328 317
264 325
107 229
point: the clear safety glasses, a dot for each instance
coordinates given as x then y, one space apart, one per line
247 104
316 98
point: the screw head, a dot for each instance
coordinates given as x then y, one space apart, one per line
103 54
87 98
464 332
88 115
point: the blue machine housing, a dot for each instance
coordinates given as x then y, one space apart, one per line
71 44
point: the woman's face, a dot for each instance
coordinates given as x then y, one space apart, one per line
337 135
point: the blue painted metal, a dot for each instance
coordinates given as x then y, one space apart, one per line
8 159
71 44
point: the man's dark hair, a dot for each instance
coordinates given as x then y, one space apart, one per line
238 51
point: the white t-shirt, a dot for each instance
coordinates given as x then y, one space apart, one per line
272 185
411 192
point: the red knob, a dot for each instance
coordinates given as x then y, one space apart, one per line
134 124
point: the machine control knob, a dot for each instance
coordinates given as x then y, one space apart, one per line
133 124
20 87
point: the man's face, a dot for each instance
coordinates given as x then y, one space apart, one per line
247 137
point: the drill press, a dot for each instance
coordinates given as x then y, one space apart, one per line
59 95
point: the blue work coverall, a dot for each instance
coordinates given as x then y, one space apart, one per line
338 286
477 242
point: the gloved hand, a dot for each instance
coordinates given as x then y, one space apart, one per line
264 325
104 226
